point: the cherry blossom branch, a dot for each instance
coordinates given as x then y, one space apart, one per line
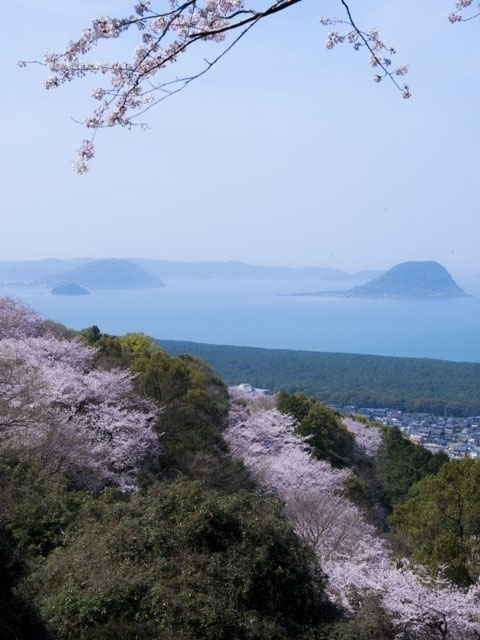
166 36
373 43
458 15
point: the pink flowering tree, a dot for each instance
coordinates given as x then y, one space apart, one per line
256 399
18 320
80 420
356 559
165 30
367 437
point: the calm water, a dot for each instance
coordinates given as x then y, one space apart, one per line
253 314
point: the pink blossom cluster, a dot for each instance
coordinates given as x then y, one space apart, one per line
367 437
381 54
17 320
85 153
164 35
355 558
460 15
83 421
257 399
166 31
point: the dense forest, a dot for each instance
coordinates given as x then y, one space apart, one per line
409 384
143 499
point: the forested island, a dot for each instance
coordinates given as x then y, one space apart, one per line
425 279
111 273
409 384
69 290
141 498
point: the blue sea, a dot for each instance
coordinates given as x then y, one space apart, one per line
252 313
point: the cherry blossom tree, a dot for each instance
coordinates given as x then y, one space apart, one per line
167 30
256 399
83 421
367 437
17 319
356 559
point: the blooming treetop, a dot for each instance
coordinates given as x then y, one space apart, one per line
83 421
167 29
367 438
354 557
256 399
17 320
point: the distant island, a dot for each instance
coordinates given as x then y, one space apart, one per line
110 273
426 279
69 290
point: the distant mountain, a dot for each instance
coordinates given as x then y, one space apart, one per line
366 274
29 270
111 273
69 290
243 271
406 280
33 271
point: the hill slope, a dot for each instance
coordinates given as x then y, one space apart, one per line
111 273
411 384
405 280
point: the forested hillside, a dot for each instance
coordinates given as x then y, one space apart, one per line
409 384
142 499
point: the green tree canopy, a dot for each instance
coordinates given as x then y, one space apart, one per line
400 464
327 435
182 562
441 521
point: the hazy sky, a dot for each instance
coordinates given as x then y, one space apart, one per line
285 154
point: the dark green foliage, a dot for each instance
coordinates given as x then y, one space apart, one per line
370 622
110 352
34 513
441 521
58 330
194 402
326 434
18 619
182 562
35 510
194 405
357 491
91 334
409 384
400 464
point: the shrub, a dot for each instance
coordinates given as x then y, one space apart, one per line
183 562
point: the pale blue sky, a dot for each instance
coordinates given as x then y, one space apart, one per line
285 154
